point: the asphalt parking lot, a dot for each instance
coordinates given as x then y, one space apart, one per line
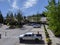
11 37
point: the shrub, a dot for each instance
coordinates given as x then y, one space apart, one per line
47 37
48 41
12 27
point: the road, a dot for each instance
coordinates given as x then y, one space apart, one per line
10 36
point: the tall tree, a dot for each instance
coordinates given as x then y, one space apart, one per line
53 16
19 16
38 17
57 32
9 18
1 17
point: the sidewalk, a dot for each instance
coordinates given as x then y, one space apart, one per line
52 37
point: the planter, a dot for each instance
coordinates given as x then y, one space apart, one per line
49 41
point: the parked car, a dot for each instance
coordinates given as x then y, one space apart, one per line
37 26
30 24
30 36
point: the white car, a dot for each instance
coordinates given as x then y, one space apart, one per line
30 36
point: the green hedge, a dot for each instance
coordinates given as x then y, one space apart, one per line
49 42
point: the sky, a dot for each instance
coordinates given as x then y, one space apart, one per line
27 7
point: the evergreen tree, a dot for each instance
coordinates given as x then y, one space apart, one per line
1 17
9 18
19 16
12 19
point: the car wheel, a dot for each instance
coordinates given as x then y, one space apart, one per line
36 40
21 40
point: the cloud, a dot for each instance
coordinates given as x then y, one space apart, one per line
14 5
29 3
